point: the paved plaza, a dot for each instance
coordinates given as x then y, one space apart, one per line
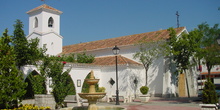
156 103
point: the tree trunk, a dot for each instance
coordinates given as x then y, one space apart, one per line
187 86
209 67
146 77
146 74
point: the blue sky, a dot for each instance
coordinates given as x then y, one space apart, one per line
90 20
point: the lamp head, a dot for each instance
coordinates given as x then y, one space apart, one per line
115 50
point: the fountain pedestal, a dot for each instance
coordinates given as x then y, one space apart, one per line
92 96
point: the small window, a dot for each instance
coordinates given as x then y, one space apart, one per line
44 46
50 22
35 22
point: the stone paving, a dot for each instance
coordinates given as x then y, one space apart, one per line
156 103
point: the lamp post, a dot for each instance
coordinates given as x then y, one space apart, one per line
115 51
135 85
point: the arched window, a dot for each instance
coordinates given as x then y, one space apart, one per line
50 22
35 22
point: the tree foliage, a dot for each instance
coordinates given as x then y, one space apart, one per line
83 58
62 84
20 44
149 51
38 83
85 86
183 48
199 44
75 58
209 51
27 52
11 79
209 95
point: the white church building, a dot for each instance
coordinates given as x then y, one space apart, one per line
44 23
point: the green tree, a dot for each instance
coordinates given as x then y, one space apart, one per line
27 52
61 83
72 90
78 58
20 44
38 83
209 95
209 53
83 58
183 48
11 79
149 51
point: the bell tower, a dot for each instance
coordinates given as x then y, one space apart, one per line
44 24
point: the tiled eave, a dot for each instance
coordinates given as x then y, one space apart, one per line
111 60
106 61
45 7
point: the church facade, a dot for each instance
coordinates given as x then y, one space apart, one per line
44 23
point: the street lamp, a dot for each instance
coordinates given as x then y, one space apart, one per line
135 85
115 51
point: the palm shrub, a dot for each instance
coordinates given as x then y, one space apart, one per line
209 93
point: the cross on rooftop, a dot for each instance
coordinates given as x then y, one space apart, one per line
43 1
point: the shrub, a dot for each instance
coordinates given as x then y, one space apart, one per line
101 89
144 89
209 95
32 107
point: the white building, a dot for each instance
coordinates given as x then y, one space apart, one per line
44 23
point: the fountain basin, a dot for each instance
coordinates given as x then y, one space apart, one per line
92 96
92 81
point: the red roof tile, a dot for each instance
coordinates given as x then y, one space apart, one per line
212 73
119 41
44 6
110 60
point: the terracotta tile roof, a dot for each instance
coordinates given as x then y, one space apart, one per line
212 73
110 60
119 41
44 6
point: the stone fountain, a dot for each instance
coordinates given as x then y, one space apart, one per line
92 96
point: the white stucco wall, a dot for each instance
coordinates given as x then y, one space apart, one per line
53 43
159 79
47 35
43 17
32 16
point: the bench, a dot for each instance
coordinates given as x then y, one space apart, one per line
84 102
70 99
208 106
121 99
